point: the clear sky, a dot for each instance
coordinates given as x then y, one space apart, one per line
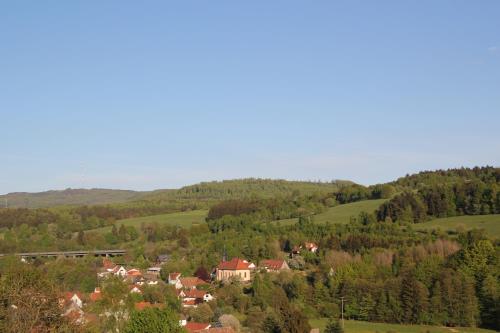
160 94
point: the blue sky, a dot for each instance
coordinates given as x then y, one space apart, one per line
157 94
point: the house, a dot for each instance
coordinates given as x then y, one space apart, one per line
274 265
180 293
108 268
192 327
96 295
235 267
193 297
155 270
72 304
151 279
75 314
311 247
194 294
135 289
191 303
174 279
134 273
119 271
74 298
191 282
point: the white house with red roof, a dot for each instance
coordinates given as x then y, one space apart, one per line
174 279
235 267
274 265
193 297
74 298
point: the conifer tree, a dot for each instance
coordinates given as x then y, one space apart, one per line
333 326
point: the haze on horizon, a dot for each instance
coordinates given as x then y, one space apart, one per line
160 95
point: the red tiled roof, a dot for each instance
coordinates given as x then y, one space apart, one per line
191 282
193 327
96 295
272 264
194 293
134 272
174 276
234 264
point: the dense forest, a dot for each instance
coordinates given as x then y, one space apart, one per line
384 269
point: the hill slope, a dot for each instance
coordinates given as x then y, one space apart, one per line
244 188
342 213
206 191
490 223
72 197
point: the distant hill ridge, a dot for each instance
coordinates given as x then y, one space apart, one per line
68 197
214 190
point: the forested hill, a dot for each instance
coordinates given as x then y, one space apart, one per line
246 188
450 176
70 197
206 191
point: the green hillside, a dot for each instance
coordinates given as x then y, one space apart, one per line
182 219
204 194
490 223
353 326
245 188
342 213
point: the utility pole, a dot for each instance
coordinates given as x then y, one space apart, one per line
342 313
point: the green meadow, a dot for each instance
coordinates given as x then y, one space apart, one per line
490 223
342 213
353 326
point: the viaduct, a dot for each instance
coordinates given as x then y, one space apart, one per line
69 254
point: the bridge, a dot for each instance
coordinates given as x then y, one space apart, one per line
69 254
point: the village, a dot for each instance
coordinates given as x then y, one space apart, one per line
190 291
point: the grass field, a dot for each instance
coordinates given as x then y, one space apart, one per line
352 326
342 213
183 219
490 223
